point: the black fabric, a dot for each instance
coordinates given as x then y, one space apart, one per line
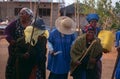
39 23
37 56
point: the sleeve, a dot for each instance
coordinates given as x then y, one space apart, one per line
20 47
42 49
9 31
51 41
73 38
76 51
98 50
50 47
117 39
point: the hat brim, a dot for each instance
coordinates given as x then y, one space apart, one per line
62 29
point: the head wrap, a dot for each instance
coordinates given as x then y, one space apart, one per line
28 11
39 23
89 28
92 17
39 29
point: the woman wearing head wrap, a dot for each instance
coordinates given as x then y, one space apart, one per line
85 53
14 31
93 19
30 52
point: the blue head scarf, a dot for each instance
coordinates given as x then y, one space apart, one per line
92 17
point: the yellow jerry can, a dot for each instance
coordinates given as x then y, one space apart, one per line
107 40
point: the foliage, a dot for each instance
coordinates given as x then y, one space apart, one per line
117 7
117 13
107 13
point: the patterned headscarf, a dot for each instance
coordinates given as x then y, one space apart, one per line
28 11
90 28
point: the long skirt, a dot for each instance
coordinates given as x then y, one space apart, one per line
99 69
23 68
96 72
58 76
79 73
10 72
38 73
117 73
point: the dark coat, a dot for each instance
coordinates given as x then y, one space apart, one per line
37 56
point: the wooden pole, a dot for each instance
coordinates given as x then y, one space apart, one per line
59 8
31 5
51 15
78 17
36 6
64 8
75 4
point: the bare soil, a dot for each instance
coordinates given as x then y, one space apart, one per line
108 61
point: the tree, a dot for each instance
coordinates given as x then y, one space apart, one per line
105 10
117 13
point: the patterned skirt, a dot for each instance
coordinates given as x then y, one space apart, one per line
37 73
10 72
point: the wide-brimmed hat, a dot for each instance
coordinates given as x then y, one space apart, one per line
65 25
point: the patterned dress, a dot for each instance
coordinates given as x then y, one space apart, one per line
85 70
13 31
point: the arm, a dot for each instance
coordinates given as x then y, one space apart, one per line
51 43
9 32
77 49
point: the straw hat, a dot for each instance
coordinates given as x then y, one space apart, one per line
65 25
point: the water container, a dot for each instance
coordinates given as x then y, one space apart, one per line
107 40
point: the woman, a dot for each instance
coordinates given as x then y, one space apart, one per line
93 19
30 52
85 53
14 31
117 70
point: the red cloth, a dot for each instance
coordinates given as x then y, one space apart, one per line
33 73
89 27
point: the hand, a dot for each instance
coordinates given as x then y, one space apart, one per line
55 53
105 51
12 42
78 63
26 55
51 52
92 60
118 50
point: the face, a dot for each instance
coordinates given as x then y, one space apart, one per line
23 15
90 35
93 23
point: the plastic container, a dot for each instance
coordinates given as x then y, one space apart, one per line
107 40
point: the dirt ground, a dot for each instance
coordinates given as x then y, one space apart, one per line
108 61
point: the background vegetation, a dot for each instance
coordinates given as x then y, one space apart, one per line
109 15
